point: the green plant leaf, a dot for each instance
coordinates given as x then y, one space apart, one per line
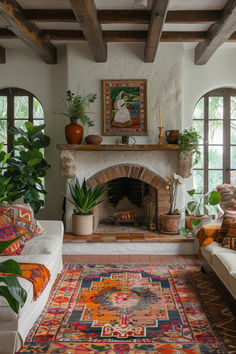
13 303
184 231
195 222
191 192
16 290
5 244
214 198
10 266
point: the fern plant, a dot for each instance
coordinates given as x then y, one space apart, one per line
85 198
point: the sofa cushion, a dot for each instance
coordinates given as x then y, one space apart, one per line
6 313
214 248
228 196
7 233
224 264
228 218
44 244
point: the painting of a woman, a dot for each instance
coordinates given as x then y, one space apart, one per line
122 116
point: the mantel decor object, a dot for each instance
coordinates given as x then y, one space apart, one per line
125 107
160 135
172 136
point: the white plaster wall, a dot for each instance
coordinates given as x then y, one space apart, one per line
48 83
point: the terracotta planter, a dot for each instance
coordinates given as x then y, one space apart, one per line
74 133
93 139
189 219
82 224
172 136
170 223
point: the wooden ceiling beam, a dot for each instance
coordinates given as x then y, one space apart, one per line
86 15
158 16
2 55
12 14
217 34
123 16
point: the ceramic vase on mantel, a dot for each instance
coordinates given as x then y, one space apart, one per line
74 133
170 223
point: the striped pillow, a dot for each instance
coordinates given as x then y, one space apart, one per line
230 239
228 218
228 196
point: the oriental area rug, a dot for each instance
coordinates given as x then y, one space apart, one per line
131 308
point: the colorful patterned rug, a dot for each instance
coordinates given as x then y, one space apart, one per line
125 309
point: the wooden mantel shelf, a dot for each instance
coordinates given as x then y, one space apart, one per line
121 147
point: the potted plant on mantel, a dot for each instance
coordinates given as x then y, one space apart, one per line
170 222
84 200
188 143
75 109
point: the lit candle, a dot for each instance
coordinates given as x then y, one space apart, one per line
160 115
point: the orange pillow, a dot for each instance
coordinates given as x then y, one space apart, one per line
7 233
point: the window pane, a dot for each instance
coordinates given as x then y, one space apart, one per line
215 107
215 156
198 180
37 109
233 132
233 107
215 134
214 179
200 163
3 107
3 131
21 106
20 123
233 157
199 126
199 110
233 177
38 121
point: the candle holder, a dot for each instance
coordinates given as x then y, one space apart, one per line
160 135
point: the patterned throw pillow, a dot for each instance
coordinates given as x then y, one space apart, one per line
228 196
7 233
230 239
23 221
228 218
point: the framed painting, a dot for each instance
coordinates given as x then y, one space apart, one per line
124 107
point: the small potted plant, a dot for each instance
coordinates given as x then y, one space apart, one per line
193 210
75 109
170 222
188 143
84 200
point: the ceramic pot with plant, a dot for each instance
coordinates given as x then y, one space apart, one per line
189 151
75 109
194 208
170 222
84 199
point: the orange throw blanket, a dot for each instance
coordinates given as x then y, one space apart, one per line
206 235
37 274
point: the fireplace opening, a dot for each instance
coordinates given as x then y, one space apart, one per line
130 203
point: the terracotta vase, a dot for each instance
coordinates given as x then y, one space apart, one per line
93 139
172 136
74 133
189 219
170 223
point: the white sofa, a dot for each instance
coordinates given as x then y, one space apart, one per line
223 262
45 249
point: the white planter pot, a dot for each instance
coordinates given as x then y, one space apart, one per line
82 224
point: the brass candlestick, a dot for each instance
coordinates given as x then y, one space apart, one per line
160 135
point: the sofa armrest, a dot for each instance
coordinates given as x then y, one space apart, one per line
54 227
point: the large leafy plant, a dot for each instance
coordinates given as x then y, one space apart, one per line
76 105
194 207
85 198
28 167
189 140
173 182
12 291
4 181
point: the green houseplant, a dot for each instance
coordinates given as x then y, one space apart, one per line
4 181
76 106
84 199
28 167
170 221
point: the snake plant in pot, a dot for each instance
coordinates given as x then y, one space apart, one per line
84 200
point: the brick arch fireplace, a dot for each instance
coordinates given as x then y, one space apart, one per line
151 182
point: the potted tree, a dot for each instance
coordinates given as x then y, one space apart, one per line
84 200
170 222
188 143
75 110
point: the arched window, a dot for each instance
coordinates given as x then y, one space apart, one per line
214 118
17 106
